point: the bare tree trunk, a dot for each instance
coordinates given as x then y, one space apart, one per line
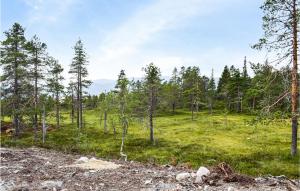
44 124
35 97
72 107
295 85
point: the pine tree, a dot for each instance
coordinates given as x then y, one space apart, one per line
152 83
14 78
55 85
80 73
122 89
37 57
281 27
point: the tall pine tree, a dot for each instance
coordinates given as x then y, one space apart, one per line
79 71
14 78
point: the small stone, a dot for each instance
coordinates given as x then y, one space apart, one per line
206 187
82 160
202 171
47 163
182 176
148 181
51 184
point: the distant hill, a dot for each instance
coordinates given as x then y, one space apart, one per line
105 85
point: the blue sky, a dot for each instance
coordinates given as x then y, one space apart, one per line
128 34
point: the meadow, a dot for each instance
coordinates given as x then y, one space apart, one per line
250 148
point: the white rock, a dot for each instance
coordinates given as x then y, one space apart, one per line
230 188
202 171
206 187
93 159
182 176
82 160
47 163
148 181
51 184
193 175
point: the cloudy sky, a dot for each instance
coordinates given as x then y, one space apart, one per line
129 34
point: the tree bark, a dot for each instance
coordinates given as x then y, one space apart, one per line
35 122
105 121
72 107
295 85
57 110
151 114
16 97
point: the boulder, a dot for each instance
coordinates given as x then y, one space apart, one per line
201 173
182 176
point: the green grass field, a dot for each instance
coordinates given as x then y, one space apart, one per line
257 149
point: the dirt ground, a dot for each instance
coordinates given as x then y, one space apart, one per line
41 169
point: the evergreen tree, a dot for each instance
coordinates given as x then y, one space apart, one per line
281 27
152 83
122 89
14 79
79 71
37 56
191 87
55 85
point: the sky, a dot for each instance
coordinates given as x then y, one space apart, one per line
129 34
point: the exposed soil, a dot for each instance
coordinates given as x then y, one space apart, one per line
41 169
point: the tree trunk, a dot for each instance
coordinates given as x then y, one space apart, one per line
173 107
105 122
57 110
72 107
35 123
151 115
295 91
16 97
44 128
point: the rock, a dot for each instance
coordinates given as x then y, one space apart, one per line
193 175
47 163
148 181
182 176
206 187
82 160
202 171
51 184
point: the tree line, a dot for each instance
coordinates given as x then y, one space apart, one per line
32 82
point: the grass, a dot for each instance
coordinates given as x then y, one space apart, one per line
257 149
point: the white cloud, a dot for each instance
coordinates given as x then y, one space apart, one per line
122 48
48 11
